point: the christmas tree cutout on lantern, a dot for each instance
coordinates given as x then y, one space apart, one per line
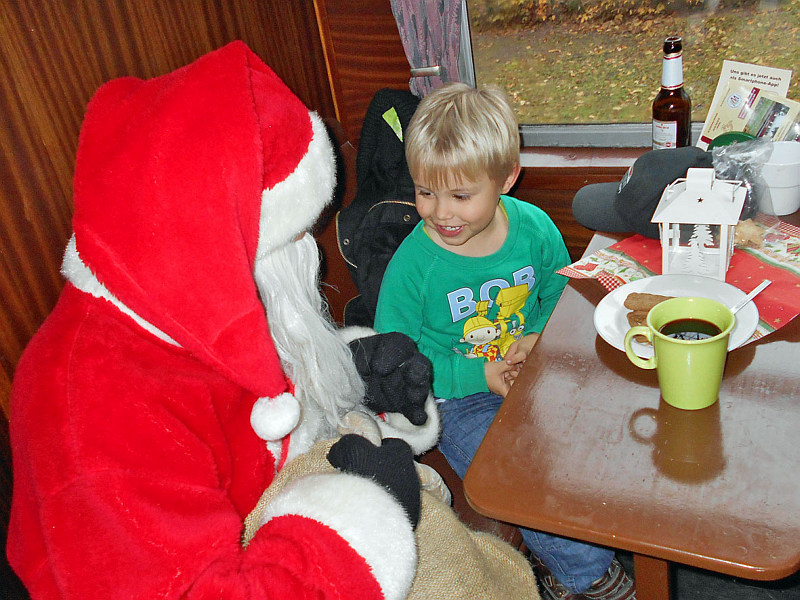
696 217
701 238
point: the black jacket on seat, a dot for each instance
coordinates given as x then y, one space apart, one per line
382 213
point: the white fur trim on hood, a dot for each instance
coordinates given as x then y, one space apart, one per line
293 205
78 274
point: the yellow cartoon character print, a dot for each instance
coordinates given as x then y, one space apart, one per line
510 322
481 334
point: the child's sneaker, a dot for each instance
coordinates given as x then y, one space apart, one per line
614 585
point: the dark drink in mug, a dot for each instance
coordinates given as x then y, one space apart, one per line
690 329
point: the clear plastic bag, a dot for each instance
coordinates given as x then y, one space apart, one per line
744 161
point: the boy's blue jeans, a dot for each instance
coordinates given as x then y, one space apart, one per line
464 423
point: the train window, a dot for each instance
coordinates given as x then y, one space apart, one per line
585 72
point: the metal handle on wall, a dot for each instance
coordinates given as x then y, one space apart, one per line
434 71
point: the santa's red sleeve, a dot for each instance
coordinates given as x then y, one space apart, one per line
135 466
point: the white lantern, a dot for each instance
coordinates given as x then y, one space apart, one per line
696 218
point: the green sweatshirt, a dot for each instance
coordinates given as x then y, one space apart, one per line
463 310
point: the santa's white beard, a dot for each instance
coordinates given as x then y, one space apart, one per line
313 355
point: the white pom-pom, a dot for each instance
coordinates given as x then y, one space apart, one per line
273 418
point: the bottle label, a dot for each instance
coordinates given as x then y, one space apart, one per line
665 134
672 72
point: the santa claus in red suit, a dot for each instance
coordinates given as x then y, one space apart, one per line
189 360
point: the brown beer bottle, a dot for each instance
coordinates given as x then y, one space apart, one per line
672 108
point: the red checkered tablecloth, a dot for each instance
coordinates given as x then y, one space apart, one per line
778 259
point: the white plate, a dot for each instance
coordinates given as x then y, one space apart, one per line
611 320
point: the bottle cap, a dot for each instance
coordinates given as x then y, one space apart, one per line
673 45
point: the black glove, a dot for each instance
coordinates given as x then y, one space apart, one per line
397 377
391 465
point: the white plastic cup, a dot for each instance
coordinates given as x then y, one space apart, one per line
782 175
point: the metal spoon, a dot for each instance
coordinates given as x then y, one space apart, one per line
756 290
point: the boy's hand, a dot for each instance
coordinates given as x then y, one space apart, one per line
519 350
516 354
498 376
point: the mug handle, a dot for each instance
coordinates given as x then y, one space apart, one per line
642 412
644 363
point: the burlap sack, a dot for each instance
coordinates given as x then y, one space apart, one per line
454 561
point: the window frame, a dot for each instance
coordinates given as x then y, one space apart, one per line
590 135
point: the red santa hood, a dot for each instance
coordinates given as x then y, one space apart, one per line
180 182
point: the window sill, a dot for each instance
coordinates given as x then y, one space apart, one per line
556 157
604 145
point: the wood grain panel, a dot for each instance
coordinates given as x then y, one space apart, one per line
337 285
363 54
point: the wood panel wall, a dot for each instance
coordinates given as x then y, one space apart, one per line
363 53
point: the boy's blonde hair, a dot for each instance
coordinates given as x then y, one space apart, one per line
460 131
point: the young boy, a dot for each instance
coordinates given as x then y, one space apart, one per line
473 285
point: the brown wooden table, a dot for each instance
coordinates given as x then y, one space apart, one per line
584 447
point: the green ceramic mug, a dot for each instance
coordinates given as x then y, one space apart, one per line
690 345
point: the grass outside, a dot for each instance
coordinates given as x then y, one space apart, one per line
572 72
